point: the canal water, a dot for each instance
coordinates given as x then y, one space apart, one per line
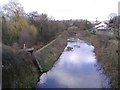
77 67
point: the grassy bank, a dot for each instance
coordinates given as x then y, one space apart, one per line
106 50
18 70
51 52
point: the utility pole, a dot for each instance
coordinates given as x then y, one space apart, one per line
119 8
118 19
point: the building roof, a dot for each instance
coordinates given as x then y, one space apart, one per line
101 26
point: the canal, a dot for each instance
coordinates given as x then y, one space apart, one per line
77 67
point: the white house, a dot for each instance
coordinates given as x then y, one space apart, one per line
101 26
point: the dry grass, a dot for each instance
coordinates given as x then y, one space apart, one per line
48 54
21 69
106 49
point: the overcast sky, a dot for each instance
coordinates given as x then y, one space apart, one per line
71 9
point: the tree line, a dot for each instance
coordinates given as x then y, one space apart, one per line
32 28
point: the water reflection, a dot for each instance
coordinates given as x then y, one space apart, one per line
74 69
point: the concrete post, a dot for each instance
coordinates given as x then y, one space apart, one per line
24 46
